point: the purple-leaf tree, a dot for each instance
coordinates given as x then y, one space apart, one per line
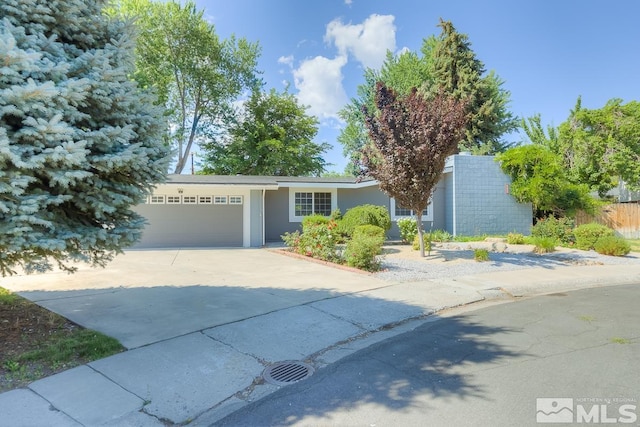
411 138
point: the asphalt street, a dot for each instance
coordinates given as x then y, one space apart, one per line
570 357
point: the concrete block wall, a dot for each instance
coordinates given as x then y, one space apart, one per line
481 200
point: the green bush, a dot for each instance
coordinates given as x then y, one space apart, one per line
544 245
515 239
369 230
612 245
363 215
311 220
362 250
416 242
408 229
481 255
559 229
440 236
588 234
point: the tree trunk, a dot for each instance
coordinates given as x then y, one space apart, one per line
420 232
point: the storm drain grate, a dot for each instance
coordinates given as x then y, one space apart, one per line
284 373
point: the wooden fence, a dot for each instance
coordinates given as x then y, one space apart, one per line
622 217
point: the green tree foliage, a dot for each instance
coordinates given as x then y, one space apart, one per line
80 143
412 137
539 177
197 76
448 63
458 71
273 136
402 73
602 146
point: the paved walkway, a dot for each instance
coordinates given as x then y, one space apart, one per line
202 325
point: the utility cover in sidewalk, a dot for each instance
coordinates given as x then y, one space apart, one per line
284 373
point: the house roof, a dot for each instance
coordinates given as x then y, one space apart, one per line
269 181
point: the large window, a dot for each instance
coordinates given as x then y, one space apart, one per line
308 202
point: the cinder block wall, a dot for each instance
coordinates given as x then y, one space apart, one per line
482 203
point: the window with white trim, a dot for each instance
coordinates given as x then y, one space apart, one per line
303 202
190 200
205 200
235 200
219 200
173 200
398 212
157 200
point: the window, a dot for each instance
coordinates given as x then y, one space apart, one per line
189 200
205 200
157 200
235 200
219 200
398 211
303 202
173 200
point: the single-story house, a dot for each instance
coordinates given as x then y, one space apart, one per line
249 211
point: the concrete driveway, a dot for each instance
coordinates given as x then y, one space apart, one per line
147 296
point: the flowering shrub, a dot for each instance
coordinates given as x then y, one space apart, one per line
317 240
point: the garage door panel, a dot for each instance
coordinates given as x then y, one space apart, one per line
191 226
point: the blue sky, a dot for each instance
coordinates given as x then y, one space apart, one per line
548 52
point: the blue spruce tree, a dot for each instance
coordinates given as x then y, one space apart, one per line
80 143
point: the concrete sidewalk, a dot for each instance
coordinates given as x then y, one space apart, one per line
201 326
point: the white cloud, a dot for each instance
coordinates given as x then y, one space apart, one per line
348 2
319 84
367 42
286 60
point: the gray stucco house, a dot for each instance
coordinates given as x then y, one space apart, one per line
249 211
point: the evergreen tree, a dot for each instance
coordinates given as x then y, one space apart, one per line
79 142
458 71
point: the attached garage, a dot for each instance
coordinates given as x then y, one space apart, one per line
201 211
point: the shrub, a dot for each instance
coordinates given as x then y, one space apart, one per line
559 229
427 242
408 229
588 234
440 236
311 220
515 239
369 230
481 255
365 214
612 245
544 245
317 241
362 250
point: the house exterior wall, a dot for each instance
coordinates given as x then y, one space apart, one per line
277 215
191 226
480 201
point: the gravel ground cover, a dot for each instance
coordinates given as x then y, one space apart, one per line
402 263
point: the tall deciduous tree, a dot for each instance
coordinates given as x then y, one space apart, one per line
458 71
197 75
79 142
412 136
273 136
602 146
539 177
